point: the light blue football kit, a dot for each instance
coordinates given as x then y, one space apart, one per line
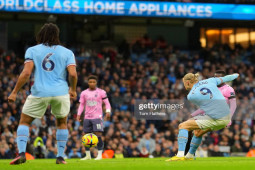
50 88
206 95
209 98
50 69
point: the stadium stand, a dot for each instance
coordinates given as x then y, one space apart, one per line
145 69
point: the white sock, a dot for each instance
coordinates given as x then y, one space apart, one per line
180 154
88 154
99 154
189 155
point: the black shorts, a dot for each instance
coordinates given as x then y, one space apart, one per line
93 125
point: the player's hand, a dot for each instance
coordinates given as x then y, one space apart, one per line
78 118
12 97
236 74
72 94
229 124
108 115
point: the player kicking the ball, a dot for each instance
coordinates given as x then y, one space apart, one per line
229 94
209 98
227 91
50 62
92 99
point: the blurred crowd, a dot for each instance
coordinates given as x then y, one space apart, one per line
146 69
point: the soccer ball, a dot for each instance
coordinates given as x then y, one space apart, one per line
90 140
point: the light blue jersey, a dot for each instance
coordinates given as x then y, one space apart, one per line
50 73
208 97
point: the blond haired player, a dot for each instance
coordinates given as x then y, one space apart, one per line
206 95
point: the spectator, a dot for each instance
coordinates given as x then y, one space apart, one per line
152 129
125 123
144 152
246 146
74 153
214 151
40 150
202 151
147 144
157 152
118 154
3 154
236 147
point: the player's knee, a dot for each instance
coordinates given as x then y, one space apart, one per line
197 133
25 120
62 123
62 126
182 126
99 134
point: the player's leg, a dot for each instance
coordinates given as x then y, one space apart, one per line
206 124
62 137
23 132
22 137
188 142
100 145
184 129
60 108
98 130
34 107
87 128
195 142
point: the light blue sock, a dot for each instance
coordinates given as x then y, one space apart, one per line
62 136
194 144
22 137
182 139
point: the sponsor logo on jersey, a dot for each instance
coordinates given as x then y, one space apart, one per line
91 103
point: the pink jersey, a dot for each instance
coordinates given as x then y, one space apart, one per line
227 91
92 100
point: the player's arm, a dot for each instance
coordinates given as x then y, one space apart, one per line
220 80
232 103
107 105
81 106
23 78
232 106
197 112
230 94
72 80
80 110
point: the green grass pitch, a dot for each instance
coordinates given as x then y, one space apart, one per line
218 163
